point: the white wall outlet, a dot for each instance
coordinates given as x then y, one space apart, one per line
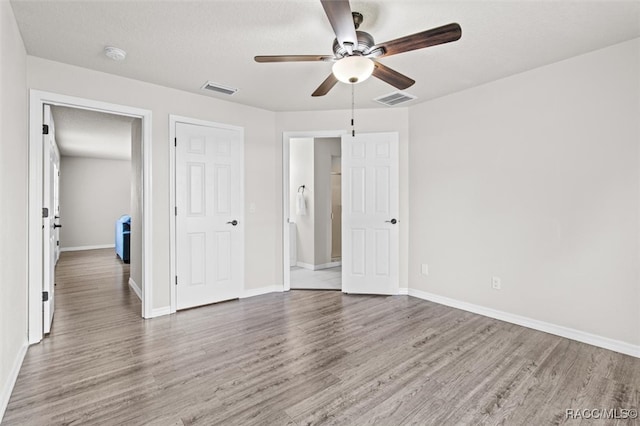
424 269
496 283
252 207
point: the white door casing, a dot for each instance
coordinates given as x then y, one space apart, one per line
209 214
370 211
37 100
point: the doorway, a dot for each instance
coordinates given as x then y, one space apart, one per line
39 278
369 186
99 158
315 213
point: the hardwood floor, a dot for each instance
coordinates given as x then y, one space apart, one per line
299 358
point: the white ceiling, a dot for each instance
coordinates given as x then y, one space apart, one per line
82 133
182 44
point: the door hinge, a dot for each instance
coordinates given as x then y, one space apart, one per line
176 210
45 296
175 141
45 212
57 243
45 129
176 280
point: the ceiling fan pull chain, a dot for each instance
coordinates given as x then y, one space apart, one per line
353 107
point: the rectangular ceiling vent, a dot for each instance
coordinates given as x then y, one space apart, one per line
218 88
395 98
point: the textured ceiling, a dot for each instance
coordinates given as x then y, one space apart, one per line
82 133
182 44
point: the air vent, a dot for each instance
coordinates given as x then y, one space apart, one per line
395 98
215 87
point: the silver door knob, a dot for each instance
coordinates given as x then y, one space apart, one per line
233 222
392 221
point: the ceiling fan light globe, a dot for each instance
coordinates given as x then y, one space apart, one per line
353 69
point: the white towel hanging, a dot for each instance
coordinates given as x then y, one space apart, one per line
301 205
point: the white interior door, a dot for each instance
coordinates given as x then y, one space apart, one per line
209 214
370 207
56 203
51 164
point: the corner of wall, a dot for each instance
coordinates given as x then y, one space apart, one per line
13 187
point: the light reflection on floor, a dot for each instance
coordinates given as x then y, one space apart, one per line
322 279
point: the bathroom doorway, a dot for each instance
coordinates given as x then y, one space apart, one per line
314 213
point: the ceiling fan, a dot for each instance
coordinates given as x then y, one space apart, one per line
355 53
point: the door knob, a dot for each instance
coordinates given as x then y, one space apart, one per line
55 225
233 222
392 221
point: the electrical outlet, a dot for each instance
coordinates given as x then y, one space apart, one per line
496 283
425 269
252 207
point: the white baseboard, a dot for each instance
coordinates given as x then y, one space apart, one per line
558 330
403 290
318 267
305 265
101 246
262 290
327 265
135 288
159 312
11 380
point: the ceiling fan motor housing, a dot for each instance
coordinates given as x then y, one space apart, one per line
365 43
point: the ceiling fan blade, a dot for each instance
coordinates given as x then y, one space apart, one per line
294 58
445 34
394 78
341 19
326 85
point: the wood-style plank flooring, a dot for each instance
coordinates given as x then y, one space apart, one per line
300 358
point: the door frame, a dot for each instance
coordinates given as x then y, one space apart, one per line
37 99
286 147
173 121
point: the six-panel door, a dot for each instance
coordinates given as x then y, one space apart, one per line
209 220
370 207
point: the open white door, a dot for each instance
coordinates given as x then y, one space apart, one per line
370 208
56 203
51 165
209 214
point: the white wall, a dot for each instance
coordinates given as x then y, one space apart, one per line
263 184
94 193
323 150
367 120
13 204
535 179
301 173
